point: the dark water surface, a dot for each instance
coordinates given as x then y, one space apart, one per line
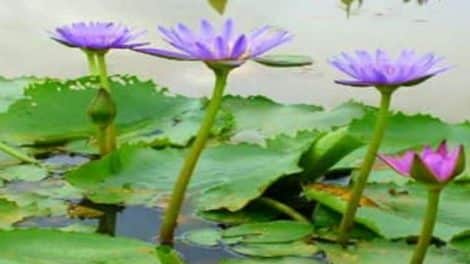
322 29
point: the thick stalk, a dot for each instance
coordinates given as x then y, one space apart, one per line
17 154
360 180
283 208
428 226
107 139
169 223
91 58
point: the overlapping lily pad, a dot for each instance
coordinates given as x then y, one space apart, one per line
258 118
57 112
396 211
231 175
55 247
11 90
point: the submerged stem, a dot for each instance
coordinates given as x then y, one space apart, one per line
168 226
360 180
17 154
283 208
428 226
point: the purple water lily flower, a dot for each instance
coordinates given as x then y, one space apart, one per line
211 46
98 36
379 70
431 166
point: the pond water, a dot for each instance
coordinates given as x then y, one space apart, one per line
322 30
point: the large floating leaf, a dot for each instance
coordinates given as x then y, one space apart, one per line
287 260
384 252
57 112
271 239
236 174
55 247
406 131
257 118
279 60
11 90
272 232
396 211
23 173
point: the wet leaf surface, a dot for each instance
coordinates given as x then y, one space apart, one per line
55 247
140 176
399 209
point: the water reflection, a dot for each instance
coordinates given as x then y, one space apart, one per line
350 6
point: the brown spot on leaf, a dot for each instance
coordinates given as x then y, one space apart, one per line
341 192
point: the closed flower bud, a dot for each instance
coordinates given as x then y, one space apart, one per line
102 109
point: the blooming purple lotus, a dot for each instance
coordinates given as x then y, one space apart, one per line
379 70
431 166
225 47
97 36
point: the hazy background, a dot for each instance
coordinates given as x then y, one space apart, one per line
321 27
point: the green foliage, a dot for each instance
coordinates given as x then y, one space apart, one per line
284 60
258 118
11 90
55 247
384 252
218 5
231 175
57 112
396 211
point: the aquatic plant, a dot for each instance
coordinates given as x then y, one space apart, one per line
96 39
222 52
386 75
434 168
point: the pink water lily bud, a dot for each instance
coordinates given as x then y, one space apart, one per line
429 166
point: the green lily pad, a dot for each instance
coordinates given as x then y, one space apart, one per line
208 237
326 151
230 175
271 232
279 60
55 247
23 173
298 248
288 260
11 90
258 118
396 211
384 252
57 111
12 213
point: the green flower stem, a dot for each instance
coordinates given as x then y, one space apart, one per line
106 135
103 70
360 180
168 226
91 57
283 208
17 154
428 226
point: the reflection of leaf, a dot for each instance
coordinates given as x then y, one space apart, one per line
401 209
236 174
55 247
219 5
